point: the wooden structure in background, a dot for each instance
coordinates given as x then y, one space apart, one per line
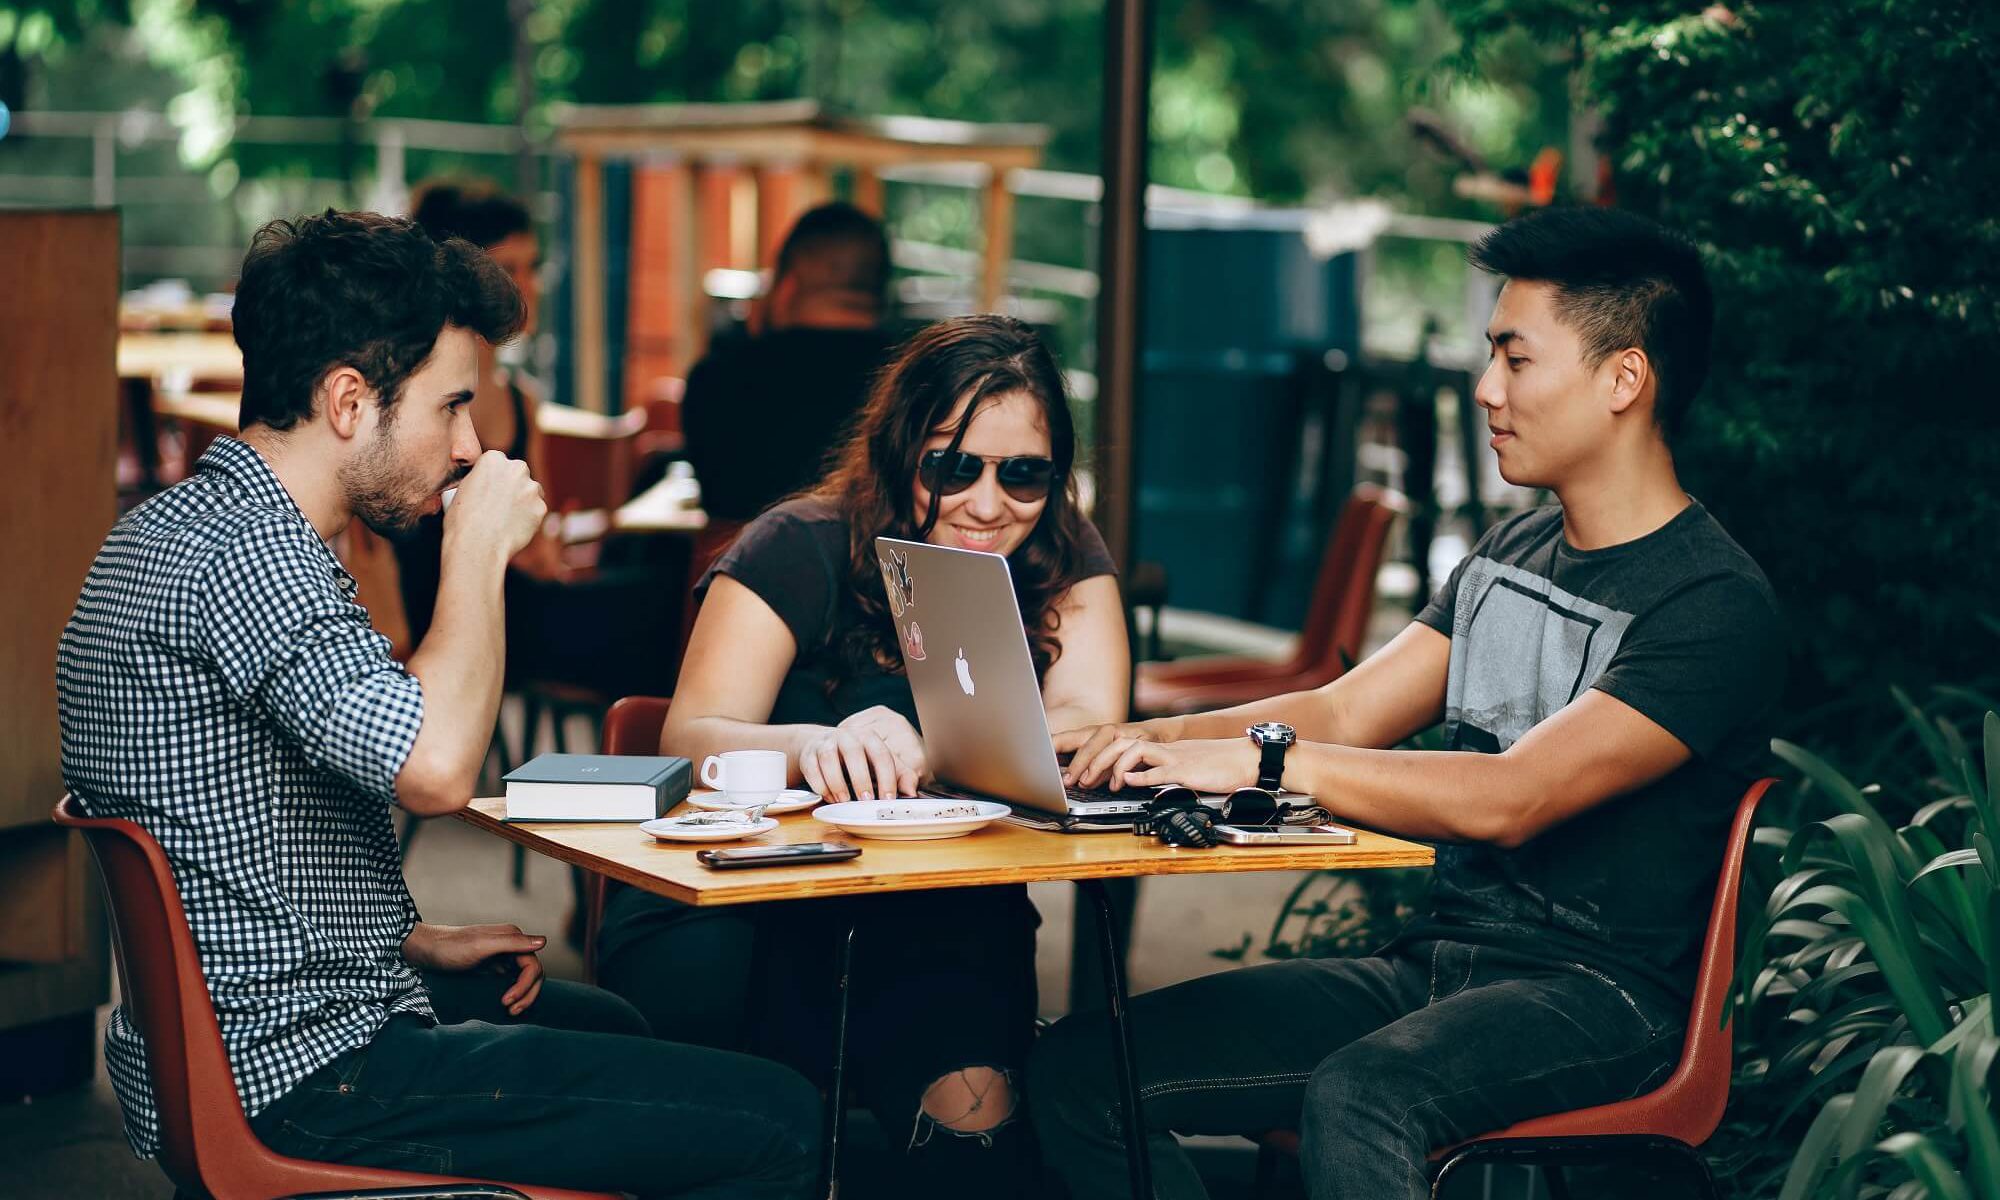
714 182
58 498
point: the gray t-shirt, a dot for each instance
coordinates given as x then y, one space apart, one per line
1682 626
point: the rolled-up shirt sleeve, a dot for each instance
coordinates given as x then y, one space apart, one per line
288 641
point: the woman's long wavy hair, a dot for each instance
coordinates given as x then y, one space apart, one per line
872 480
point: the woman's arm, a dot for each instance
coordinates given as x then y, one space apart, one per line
1090 681
737 657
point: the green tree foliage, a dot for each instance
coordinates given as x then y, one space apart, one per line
1836 160
1281 99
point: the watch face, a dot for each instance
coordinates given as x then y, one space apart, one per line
1274 732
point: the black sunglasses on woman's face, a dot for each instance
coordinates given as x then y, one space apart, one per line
1026 478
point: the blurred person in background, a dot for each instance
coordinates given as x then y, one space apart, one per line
762 413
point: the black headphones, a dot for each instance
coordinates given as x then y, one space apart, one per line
1178 817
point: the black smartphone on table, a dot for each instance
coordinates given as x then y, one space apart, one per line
776 856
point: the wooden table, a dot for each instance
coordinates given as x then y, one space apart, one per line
206 356
151 365
662 508
1000 853
215 410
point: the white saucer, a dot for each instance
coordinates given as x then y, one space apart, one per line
863 817
664 829
788 801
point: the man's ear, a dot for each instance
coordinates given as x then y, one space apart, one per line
1631 378
343 396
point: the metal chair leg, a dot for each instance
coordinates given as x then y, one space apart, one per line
1552 1178
836 1100
1264 1184
1551 1155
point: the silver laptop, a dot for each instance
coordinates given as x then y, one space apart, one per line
966 653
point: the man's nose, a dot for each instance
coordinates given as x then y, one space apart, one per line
1491 393
465 446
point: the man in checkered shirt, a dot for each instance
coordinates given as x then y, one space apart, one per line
220 686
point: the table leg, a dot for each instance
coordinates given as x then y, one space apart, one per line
1136 1158
836 1099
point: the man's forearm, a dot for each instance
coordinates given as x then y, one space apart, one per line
461 665
1434 795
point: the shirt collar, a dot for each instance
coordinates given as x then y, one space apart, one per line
241 464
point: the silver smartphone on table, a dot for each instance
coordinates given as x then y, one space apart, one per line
1285 835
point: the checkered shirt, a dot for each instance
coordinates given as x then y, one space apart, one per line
219 686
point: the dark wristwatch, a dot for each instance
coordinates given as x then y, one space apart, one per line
1273 738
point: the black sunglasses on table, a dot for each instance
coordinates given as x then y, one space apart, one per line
1248 807
1026 478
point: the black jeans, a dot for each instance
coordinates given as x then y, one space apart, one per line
942 980
1375 1061
582 1098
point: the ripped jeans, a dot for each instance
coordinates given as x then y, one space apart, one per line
943 981
1375 1061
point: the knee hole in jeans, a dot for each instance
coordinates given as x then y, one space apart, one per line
970 1102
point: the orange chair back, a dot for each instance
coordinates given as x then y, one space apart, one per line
633 725
586 469
1343 596
1688 1106
206 1144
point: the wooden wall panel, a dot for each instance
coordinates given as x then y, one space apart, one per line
58 432
58 491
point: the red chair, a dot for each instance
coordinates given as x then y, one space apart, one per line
632 726
1668 1122
1337 617
207 1147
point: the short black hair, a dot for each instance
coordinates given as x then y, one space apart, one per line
837 248
356 289
473 209
1620 280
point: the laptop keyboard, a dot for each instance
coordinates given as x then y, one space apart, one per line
1101 795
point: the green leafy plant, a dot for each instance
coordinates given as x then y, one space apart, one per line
1865 1026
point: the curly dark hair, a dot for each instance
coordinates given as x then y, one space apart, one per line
358 290
982 358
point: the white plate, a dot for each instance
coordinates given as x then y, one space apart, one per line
864 817
665 830
790 800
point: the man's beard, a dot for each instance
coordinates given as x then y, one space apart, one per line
386 495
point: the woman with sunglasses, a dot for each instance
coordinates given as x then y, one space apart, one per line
966 441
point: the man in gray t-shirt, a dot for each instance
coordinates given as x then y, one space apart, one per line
1604 669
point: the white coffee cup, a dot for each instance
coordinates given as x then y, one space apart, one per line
746 776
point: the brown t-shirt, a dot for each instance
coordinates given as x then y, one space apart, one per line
794 557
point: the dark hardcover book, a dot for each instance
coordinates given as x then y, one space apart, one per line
596 787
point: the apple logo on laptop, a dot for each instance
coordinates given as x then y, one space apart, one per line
964 672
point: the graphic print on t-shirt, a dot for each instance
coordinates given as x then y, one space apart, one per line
1521 649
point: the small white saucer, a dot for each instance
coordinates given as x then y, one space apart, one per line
790 800
665 830
864 817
